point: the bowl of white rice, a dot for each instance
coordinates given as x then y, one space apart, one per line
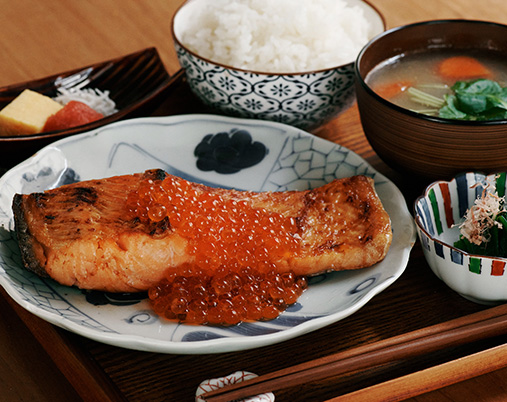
289 61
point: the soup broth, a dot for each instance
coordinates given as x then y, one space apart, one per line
421 81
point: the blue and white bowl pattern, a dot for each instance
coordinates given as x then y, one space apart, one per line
302 100
438 213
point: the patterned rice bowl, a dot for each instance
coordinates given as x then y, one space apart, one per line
306 100
438 214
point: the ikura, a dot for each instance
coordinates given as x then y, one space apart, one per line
236 246
226 298
217 230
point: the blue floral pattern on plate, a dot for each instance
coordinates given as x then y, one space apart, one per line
295 160
229 152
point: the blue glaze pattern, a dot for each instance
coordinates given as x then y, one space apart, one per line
228 153
302 100
294 160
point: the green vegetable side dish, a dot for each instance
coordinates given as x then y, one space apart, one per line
495 247
477 100
484 230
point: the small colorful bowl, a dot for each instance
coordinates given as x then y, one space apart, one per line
438 214
136 83
305 100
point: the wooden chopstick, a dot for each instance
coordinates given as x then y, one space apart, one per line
432 378
485 324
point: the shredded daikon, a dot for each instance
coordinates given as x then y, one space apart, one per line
95 98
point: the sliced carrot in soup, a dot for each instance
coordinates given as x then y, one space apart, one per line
388 91
462 67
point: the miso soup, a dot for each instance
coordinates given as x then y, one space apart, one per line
443 82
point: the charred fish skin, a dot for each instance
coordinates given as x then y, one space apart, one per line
28 255
78 195
81 234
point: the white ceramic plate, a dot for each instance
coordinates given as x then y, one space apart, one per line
287 158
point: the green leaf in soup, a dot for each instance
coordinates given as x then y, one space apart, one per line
480 86
478 104
499 100
477 96
450 109
480 99
493 114
472 104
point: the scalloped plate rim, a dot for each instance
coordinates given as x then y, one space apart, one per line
217 345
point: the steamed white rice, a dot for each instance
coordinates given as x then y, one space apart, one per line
277 35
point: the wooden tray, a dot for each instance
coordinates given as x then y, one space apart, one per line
417 300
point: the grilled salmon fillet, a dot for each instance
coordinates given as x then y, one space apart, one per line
80 234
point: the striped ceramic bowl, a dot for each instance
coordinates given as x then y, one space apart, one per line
438 213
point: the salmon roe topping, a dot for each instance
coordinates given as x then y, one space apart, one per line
235 248
226 298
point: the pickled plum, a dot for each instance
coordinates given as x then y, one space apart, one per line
73 114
